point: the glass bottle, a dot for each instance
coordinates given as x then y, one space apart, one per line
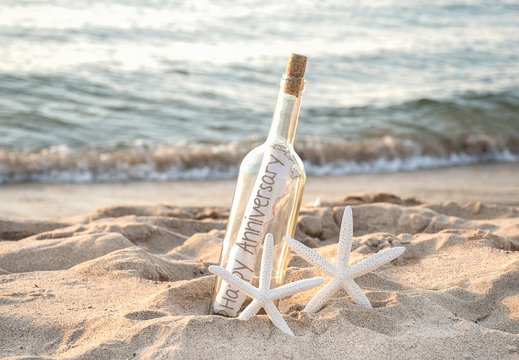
267 198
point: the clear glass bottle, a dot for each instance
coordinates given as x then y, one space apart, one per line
267 198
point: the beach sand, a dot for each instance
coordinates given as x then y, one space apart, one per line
131 281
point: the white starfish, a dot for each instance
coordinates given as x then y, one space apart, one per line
263 296
342 274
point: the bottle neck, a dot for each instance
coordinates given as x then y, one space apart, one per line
286 114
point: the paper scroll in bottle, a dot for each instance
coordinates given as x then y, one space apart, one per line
267 197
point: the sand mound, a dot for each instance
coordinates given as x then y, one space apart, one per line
131 282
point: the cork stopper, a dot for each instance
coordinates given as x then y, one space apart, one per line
295 74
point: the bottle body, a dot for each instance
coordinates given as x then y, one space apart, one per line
275 214
267 199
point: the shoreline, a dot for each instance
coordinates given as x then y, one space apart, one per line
489 183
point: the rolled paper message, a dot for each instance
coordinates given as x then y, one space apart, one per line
268 195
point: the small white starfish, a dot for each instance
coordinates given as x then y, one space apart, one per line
263 296
342 274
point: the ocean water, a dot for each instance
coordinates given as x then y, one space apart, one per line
122 90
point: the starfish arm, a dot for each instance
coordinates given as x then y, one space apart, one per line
276 318
266 262
345 239
234 280
311 256
250 310
295 287
374 261
322 296
356 293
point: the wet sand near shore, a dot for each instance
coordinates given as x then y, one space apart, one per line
489 183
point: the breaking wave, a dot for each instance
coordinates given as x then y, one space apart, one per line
138 162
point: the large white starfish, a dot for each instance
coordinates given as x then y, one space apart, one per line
263 296
342 274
